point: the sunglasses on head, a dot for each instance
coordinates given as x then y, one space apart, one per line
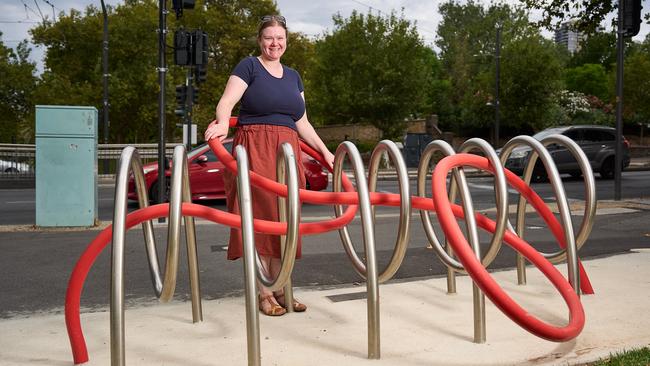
269 18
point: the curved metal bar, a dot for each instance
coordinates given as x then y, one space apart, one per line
250 288
130 161
403 231
444 254
290 215
369 271
181 192
423 170
289 253
501 195
590 193
554 177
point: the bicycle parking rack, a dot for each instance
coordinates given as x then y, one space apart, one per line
457 254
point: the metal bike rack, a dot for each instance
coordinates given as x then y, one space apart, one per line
164 289
458 181
289 208
573 243
252 263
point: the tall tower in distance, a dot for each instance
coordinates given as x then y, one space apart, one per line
568 37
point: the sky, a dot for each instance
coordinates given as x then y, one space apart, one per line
310 17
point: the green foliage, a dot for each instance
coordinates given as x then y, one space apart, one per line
636 87
589 14
467 40
528 94
16 87
597 48
590 79
638 357
370 69
73 73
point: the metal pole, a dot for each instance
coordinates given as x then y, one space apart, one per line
619 104
162 70
105 80
496 88
189 103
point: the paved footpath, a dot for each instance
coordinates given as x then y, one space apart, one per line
420 325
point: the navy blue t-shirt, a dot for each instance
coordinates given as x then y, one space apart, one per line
269 100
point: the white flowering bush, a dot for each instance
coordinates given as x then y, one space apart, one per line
573 102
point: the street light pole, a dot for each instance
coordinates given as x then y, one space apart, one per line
496 91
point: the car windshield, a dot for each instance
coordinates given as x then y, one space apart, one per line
196 151
551 131
203 150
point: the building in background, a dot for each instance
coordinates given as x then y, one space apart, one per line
568 37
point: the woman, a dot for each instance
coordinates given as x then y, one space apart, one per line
272 112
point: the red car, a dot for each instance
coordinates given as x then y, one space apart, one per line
206 174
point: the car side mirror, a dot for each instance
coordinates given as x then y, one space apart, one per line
202 159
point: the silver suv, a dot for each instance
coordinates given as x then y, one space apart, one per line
598 143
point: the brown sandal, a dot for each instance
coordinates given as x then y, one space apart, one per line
298 307
274 309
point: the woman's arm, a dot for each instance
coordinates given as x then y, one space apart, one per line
308 134
233 92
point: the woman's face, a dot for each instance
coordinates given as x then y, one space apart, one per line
273 42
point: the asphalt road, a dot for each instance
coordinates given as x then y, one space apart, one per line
17 206
35 265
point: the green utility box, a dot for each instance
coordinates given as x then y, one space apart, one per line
66 166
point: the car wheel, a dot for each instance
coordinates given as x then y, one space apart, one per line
607 168
153 192
11 170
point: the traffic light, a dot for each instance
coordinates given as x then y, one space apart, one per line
195 95
201 74
182 47
631 17
179 5
181 98
199 47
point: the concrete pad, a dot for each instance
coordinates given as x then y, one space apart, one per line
420 325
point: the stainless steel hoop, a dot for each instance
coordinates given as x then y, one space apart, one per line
538 150
252 263
130 161
368 271
286 169
459 180
403 231
501 196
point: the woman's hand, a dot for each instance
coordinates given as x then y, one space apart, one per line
216 130
329 158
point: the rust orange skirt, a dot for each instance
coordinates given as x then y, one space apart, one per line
261 142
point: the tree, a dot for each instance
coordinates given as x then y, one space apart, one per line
531 76
597 48
18 82
589 14
636 85
370 69
530 67
590 79
73 73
